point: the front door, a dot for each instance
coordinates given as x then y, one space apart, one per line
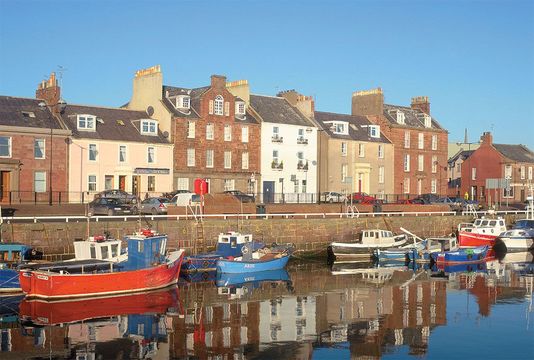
136 184
122 182
5 186
268 191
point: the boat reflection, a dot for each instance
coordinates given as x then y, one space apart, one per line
241 285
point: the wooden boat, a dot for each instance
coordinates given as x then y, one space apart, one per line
229 244
11 256
481 232
147 268
462 255
369 240
265 259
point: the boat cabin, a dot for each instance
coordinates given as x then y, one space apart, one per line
442 244
377 236
230 243
145 249
14 252
99 248
484 226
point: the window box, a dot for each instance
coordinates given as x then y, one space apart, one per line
302 166
277 139
275 165
303 141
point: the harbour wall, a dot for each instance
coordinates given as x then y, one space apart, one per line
311 236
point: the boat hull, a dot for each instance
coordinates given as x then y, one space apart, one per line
462 256
239 267
49 285
9 281
236 280
200 263
516 243
472 239
350 250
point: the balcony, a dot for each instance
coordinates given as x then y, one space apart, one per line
279 166
302 140
277 139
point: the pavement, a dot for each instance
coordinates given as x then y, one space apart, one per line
21 210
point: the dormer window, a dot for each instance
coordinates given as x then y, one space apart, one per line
339 127
400 117
149 127
240 108
183 102
428 121
87 122
374 131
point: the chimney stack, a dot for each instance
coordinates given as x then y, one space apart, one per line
49 92
305 104
486 138
368 102
421 103
240 89
218 81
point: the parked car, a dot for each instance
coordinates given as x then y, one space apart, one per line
108 206
360 196
184 199
170 195
417 201
332 197
453 204
241 196
154 206
428 198
372 202
122 196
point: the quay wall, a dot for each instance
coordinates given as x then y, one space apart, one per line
311 236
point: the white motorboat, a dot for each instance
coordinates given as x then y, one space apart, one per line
521 236
369 240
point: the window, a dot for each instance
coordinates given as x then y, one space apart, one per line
344 172
276 132
406 162
361 150
419 186
303 187
275 156
339 128
93 152
374 131
91 183
523 172
420 163
218 105
39 181
229 184
433 186
227 132
380 174
406 185
182 184
434 164
428 121
183 102
190 157
240 108
149 127
508 192
508 171
5 146
434 142
151 155
122 153
227 159
209 131
300 160
530 172
151 183
244 134
421 142
190 129
400 117
380 151
296 187
108 182
39 148
473 173
343 148
86 122
244 161
209 158
407 139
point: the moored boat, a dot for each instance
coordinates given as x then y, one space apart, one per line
268 258
11 256
521 236
481 232
368 241
147 268
433 246
462 255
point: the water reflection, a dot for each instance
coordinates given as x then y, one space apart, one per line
348 310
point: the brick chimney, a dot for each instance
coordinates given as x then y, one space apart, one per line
49 91
486 138
368 102
305 104
421 103
218 81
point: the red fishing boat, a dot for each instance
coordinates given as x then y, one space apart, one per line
147 268
481 232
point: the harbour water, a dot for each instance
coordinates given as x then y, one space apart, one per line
312 310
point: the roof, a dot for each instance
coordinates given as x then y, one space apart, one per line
358 126
277 110
410 117
463 154
519 153
112 124
15 111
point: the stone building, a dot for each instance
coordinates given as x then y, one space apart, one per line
420 142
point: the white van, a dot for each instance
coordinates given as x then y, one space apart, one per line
185 199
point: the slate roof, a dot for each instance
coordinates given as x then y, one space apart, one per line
277 110
111 127
410 117
519 153
15 111
463 154
356 131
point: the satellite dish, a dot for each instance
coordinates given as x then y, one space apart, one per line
314 162
165 134
150 111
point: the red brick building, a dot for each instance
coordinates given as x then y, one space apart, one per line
512 165
33 151
420 142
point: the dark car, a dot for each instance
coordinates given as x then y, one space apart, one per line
170 195
108 206
154 205
361 197
241 196
417 201
121 195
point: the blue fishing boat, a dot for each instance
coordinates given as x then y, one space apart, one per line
271 258
433 246
463 255
398 254
229 245
11 256
236 280
461 267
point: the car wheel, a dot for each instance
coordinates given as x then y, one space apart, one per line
154 211
111 212
331 201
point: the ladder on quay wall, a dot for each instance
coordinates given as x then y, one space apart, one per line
199 244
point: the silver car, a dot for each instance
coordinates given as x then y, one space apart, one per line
332 197
154 206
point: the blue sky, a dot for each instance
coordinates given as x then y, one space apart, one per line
474 59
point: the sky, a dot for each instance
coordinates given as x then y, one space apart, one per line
474 59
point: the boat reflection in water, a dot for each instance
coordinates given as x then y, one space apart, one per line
239 285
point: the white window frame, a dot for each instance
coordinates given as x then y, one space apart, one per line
275 156
182 184
88 121
406 185
361 150
125 154
400 117
406 139
522 172
508 171
244 160
406 162
218 105
244 134
433 186
240 108
42 181
530 172
381 172
149 127
434 142
210 131
344 148
380 151
344 172
434 164
42 149
191 129
227 159
421 141
473 173
190 157
420 162
229 184
92 185
210 154
90 151
153 155
8 147
227 132
374 131
427 121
